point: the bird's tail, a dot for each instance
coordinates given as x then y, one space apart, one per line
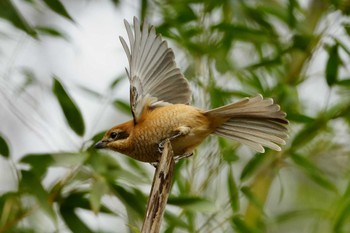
255 122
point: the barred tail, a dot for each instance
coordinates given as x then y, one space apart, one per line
255 122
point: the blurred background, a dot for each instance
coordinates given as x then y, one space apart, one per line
63 84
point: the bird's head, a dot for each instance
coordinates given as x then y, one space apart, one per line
116 138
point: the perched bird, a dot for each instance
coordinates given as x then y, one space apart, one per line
159 100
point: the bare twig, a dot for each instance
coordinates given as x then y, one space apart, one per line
160 191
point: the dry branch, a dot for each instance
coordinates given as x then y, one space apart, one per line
160 191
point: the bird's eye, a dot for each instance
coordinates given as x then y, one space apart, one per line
113 135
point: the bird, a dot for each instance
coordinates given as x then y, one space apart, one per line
160 98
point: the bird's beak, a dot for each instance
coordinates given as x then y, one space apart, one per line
100 145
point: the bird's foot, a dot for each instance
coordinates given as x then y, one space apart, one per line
181 131
186 155
155 164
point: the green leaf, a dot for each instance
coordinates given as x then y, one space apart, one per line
4 148
98 189
227 151
314 172
233 192
332 66
117 81
174 220
343 219
243 33
50 31
9 12
122 105
38 162
59 8
300 118
252 165
133 200
241 227
30 183
74 223
190 203
307 133
69 108
251 197
41 162
144 7
344 83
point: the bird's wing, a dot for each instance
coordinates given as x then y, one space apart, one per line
153 75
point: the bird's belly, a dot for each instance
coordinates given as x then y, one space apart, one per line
164 124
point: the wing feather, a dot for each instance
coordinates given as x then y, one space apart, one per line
152 69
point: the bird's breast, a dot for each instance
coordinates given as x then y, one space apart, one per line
162 123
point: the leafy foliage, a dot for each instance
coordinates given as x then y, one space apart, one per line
230 49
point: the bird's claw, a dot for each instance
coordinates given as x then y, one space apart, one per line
162 143
186 155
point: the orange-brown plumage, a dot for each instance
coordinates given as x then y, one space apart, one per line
159 98
156 125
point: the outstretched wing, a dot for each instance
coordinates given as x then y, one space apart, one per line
153 75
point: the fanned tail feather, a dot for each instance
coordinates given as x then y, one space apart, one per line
255 122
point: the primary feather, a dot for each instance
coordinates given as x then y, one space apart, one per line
152 70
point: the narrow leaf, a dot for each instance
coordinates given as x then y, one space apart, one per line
50 31
252 165
332 66
343 219
314 172
233 192
122 106
4 148
192 203
98 189
58 7
30 183
39 163
307 133
69 108
241 227
251 197
131 199
344 83
71 219
9 12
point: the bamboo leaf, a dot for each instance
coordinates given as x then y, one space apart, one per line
251 197
39 163
332 65
344 83
192 203
122 106
4 148
50 31
343 219
307 133
30 183
233 192
133 200
9 12
314 172
241 227
74 223
98 189
69 108
252 165
58 7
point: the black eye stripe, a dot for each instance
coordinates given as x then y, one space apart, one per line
114 135
118 135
